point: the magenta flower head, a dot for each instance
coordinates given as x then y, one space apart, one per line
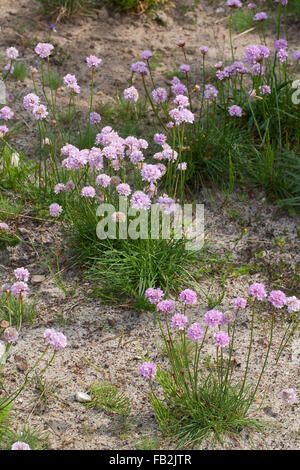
159 95
140 200
261 16
56 340
281 44
19 445
123 189
11 335
166 306
19 288
283 2
43 49
288 396
3 130
195 332
30 101
258 291
21 274
235 111
277 298
55 209
252 6
184 68
179 321
93 62
222 339
140 67
188 296
203 50
148 370
6 113
131 94
160 139
239 302
214 318
95 118
146 55
293 304
234 4
88 191
154 295
282 55
297 55
103 180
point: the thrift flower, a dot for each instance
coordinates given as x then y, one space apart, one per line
21 274
11 335
258 291
166 306
277 298
235 111
154 295
239 302
293 304
12 53
222 339
179 321
6 113
55 209
19 445
131 94
4 226
288 396
140 200
93 62
55 339
148 370
88 191
43 49
188 296
19 289
195 332
214 318
95 118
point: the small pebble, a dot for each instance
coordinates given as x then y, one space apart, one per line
82 397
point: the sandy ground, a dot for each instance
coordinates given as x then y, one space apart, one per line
94 329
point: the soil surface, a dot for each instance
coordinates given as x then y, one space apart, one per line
113 337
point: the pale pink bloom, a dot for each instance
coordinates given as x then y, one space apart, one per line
43 49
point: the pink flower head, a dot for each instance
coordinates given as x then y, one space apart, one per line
131 94
21 274
239 302
210 92
154 295
258 291
123 189
167 204
148 370
55 339
235 111
261 16
146 55
140 67
166 306
234 4
160 139
184 68
181 101
12 53
19 445
95 118
222 339
159 95
3 130
265 89
140 200
55 209
281 44
179 321
19 289
252 6
150 173
204 50
30 101
293 304
195 332
297 55
4 226
103 180
59 188
11 335
288 396
277 298
188 296
283 2
40 112
88 191
214 318
6 113
93 62
43 49
182 166
282 55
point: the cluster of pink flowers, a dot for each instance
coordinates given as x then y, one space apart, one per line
93 62
55 209
288 396
55 339
140 67
6 113
188 296
148 370
214 318
235 110
4 226
71 82
43 49
31 102
11 335
131 94
179 321
22 274
19 445
159 95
